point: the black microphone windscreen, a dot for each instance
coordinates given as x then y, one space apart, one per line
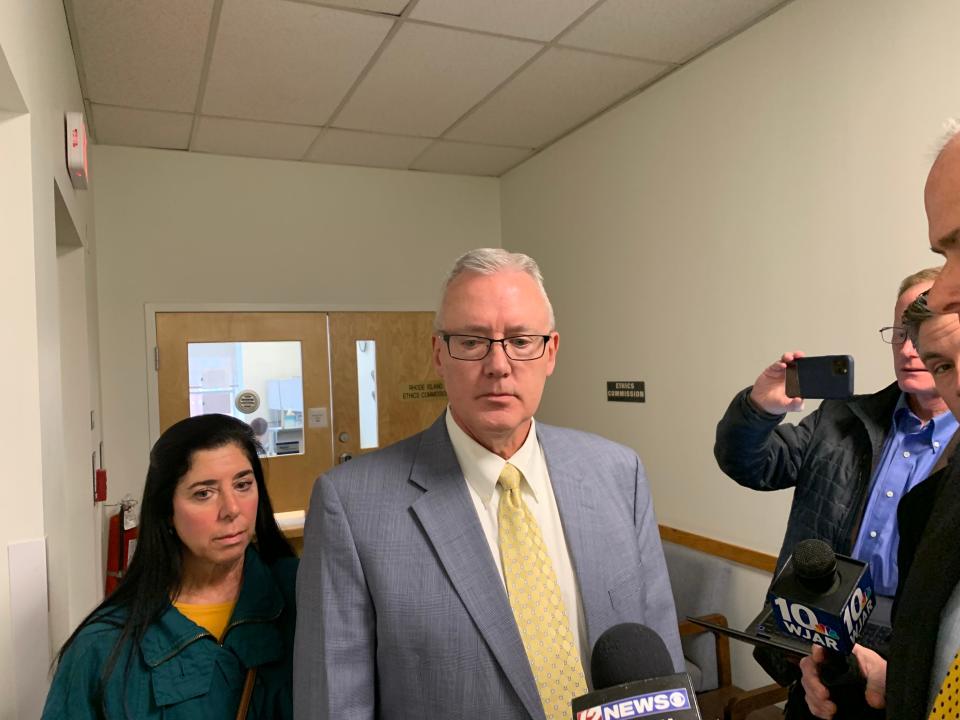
815 564
626 653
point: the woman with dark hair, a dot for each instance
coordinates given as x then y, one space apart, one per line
202 624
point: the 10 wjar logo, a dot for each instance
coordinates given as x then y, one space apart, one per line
834 632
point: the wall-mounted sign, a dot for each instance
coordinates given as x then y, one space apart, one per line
317 417
626 391
423 391
247 401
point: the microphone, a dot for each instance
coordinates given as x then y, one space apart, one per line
634 678
824 598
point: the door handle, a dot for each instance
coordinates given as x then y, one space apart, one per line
344 457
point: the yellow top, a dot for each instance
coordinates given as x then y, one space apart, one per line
213 617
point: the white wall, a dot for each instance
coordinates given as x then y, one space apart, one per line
36 64
21 518
78 529
192 228
767 197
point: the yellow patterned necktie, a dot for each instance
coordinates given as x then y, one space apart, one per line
537 605
947 703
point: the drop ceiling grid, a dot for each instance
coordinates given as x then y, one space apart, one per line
387 7
665 30
467 158
227 136
439 85
287 62
146 55
560 90
143 128
428 77
350 147
534 19
440 155
346 152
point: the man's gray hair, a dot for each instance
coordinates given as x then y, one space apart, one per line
916 314
951 128
487 261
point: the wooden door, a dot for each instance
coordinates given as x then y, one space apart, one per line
289 477
409 394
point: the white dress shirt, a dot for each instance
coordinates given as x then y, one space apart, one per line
481 469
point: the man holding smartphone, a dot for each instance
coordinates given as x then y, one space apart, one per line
849 462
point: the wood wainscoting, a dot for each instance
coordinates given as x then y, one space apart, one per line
720 549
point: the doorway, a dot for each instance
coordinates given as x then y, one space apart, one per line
319 388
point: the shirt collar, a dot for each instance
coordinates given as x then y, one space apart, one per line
940 428
481 468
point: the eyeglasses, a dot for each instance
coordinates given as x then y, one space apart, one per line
893 334
477 347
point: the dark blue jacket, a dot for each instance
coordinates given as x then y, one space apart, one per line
828 458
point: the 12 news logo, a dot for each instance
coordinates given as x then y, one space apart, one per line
802 622
638 706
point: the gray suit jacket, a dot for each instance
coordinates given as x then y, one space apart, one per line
401 612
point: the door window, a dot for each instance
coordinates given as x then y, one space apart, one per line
367 393
260 383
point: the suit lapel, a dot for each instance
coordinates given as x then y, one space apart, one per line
450 521
583 526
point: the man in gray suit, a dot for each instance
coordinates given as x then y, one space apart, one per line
417 596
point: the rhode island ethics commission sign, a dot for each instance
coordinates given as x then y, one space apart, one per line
626 391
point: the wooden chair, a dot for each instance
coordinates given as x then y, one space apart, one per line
729 702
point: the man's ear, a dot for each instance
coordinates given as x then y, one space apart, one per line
437 345
553 345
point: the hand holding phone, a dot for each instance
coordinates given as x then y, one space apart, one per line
769 390
824 376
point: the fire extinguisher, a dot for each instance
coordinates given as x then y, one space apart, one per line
121 542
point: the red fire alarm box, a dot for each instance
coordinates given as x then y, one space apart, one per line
100 485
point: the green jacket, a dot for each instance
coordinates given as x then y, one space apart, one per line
179 670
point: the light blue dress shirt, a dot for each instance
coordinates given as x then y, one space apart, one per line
908 455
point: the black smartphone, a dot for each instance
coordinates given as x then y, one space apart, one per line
823 376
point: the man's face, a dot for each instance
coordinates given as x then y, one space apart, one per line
940 340
942 200
912 376
493 399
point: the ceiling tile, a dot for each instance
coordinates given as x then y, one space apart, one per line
388 7
428 77
143 54
287 62
469 159
141 128
536 19
252 139
557 92
665 30
350 147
